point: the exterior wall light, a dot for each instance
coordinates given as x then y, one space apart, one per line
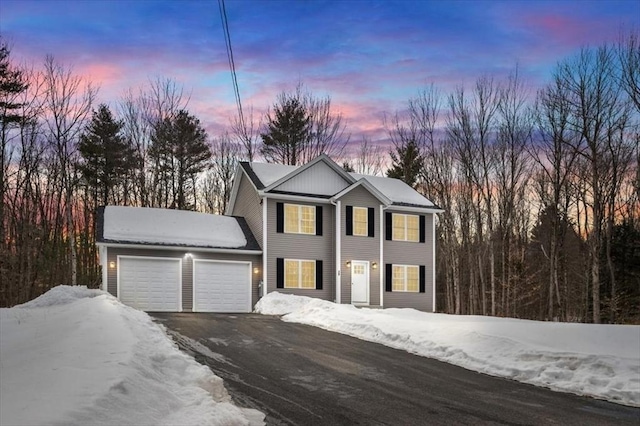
374 265
256 270
188 255
112 264
348 264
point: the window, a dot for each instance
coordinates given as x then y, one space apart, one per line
405 278
299 273
299 219
406 227
360 222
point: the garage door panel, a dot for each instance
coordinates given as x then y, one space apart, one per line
150 284
222 287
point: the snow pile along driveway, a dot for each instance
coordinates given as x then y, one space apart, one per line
76 356
601 361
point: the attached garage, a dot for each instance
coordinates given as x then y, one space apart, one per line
150 283
221 286
161 260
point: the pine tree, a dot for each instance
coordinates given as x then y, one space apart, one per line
12 83
179 152
288 131
107 157
407 163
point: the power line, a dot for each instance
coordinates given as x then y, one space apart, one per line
232 65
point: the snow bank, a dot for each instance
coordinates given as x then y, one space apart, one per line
602 361
175 227
76 356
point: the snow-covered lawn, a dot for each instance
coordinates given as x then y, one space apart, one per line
602 361
80 357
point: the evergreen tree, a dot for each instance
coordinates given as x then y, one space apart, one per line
107 157
288 131
407 163
12 84
179 152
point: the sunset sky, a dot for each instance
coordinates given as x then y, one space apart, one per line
369 56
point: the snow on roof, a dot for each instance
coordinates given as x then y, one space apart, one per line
395 190
268 173
173 227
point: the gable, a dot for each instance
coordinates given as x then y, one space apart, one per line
319 179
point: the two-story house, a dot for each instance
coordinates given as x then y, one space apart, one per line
313 230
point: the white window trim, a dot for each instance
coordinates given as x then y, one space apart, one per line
405 278
315 272
353 222
299 207
405 227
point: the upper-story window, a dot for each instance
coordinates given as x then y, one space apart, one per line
406 227
299 219
360 221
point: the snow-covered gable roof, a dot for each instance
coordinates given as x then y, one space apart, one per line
397 191
137 225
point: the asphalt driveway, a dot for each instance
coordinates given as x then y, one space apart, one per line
301 375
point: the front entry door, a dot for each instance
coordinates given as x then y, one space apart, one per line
360 282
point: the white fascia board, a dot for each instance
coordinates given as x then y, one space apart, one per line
181 248
415 209
368 186
324 158
302 198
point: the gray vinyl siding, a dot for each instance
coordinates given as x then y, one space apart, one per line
187 268
248 205
360 248
306 247
319 179
411 253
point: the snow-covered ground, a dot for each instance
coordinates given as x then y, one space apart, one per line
602 361
80 357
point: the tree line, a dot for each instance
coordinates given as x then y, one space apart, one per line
539 190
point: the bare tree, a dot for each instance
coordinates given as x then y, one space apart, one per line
218 181
369 158
247 131
68 102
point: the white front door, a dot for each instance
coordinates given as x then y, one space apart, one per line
359 282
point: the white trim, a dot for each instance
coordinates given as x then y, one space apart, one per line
193 278
416 209
178 259
300 208
368 265
406 234
298 198
338 253
181 248
405 266
433 259
381 266
353 221
315 273
265 288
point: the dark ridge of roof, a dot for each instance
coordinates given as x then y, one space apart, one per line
252 175
303 194
433 206
100 224
252 243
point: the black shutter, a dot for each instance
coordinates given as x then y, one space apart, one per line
318 220
349 220
388 277
422 279
422 230
318 274
280 218
371 222
388 226
279 272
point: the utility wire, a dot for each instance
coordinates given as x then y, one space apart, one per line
232 65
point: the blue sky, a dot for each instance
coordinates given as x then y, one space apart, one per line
369 56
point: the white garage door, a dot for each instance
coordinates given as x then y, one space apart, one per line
149 283
221 286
